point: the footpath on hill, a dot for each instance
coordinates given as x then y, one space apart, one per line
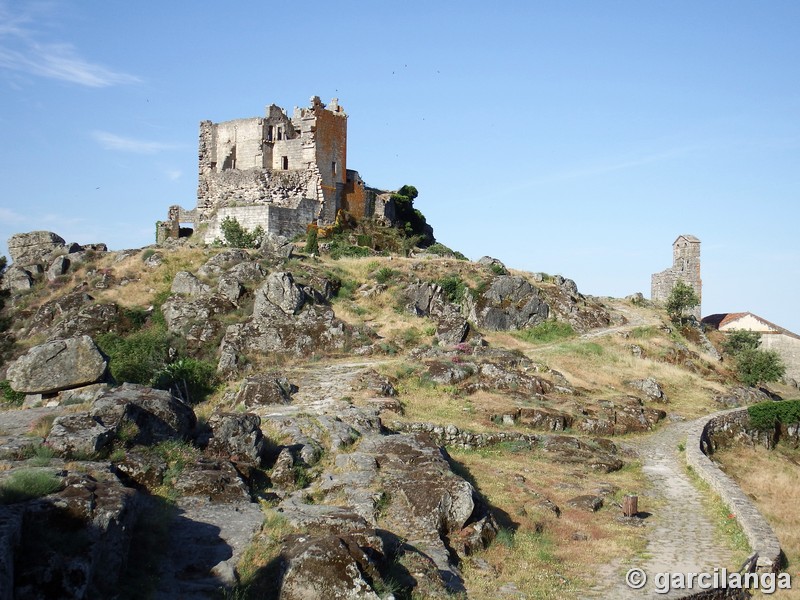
681 537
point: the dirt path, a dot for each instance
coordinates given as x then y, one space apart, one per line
681 537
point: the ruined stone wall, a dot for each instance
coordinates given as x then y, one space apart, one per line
232 188
685 267
356 199
238 144
297 154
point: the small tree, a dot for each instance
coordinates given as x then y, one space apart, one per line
756 367
741 340
238 237
411 221
681 298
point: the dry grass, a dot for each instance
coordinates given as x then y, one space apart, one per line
144 283
542 555
601 366
772 480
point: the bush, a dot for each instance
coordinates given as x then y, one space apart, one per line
765 415
137 358
453 286
384 274
8 396
312 245
544 333
411 221
27 484
190 379
341 249
442 250
238 237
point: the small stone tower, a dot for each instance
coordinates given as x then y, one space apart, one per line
685 267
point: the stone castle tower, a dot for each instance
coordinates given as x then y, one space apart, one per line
277 172
685 267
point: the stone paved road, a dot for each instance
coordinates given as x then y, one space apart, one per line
681 537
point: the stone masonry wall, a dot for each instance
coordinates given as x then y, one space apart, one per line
788 348
685 267
271 218
699 443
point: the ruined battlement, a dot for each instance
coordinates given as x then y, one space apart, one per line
277 172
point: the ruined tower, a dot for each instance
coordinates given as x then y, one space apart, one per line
685 267
277 172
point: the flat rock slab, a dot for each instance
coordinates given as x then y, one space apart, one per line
206 542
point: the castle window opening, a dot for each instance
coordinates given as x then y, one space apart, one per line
280 134
270 131
333 167
284 160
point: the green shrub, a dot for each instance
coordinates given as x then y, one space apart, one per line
453 286
341 249
544 333
347 288
384 274
26 484
238 237
411 221
9 396
190 379
765 415
312 242
442 250
138 357
498 269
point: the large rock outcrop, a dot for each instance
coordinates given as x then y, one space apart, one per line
285 320
510 302
156 414
35 247
57 365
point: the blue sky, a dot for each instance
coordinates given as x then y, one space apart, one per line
576 137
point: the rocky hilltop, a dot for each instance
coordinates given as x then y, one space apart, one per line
204 422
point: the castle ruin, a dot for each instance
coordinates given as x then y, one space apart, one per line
276 172
685 268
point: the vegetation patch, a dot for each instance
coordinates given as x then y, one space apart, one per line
27 484
547 332
442 250
754 366
766 415
8 396
237 236
453 287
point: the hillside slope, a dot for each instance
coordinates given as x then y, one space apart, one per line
351 427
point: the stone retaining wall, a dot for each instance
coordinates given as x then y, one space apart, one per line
699 441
